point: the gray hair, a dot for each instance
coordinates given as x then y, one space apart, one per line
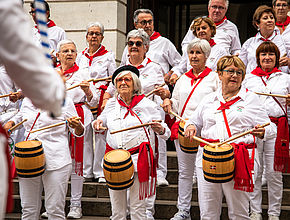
141 10
226 1
64 42
202 44
139 33
274 2
95 24
136 82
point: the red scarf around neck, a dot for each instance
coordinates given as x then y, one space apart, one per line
212 43
285 23
218 23
101 51
141 66
203 74
50 24
135 100
73 69
259 72
155 35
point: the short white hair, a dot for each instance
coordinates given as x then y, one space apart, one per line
95 24
136 82
202 44
63 42
226 2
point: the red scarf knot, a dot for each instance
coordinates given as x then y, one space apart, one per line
73 69
259 72
135 100
101 51
203 74
267 39
284 23
218 23
155 35
228 104
141 66
212 42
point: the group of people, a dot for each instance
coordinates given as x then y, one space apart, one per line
214 85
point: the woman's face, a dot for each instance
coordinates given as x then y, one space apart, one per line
136 47
125 85
267 60
281 8
94 37
67 54
267 22
231 78
197 58
203 31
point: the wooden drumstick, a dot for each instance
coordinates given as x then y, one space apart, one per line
274 95
177 116
17 125
77 85
103 79
242 134
134 127
51 126
3 96
154 90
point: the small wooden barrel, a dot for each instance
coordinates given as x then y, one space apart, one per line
218 163
186 145
29 159
118 169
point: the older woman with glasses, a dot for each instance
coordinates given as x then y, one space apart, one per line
273 153
187 95
98 62
129 108
222 114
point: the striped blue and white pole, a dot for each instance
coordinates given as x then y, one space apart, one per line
42 27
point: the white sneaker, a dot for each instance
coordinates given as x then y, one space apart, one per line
149 215
181 215
101 180
255 216
75 212
161 181
44 215
273 217
194 180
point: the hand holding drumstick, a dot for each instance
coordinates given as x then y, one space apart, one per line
74 122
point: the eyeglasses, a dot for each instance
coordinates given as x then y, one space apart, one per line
67 51
232 72
218 7
137 43
144 22
281 5
32 12
94 33
125 79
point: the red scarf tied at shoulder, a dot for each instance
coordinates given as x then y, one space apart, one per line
284 23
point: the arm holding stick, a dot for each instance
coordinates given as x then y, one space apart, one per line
16 126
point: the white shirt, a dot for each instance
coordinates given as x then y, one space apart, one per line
216 53
227 36
55 35
183 88
54 140
24 62
162 51
286 38
248 51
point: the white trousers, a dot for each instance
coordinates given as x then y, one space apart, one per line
210 197
118 200
3 177
76 188
162 159
266 152
88 154
99 153
55 185
186 168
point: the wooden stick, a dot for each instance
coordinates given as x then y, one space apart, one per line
51 126
103 79
154 90
90 80
242 134
17 125
177 116
13 93
77 85
103 128
134 127
274 95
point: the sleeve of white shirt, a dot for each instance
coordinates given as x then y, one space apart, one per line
112 65
244 53
181 67
175 95
236 43
24 62
124 56
173 56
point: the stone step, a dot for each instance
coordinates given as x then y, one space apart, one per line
164 209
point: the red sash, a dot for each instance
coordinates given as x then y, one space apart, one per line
100 52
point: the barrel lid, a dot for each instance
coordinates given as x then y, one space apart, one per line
117 155
28 144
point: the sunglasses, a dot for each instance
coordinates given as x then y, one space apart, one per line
137 43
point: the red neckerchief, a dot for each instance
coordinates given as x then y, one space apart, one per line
141 66
101 51
218 23
135 100
284 23
259 72
155 35
203 74
223 108
73 69
212 43
50 24
267 39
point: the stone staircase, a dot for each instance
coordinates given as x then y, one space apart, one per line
96 203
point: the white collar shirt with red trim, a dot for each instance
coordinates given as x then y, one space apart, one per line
286 37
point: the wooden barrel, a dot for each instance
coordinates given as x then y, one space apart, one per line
29 159
218 163
186 145
118 169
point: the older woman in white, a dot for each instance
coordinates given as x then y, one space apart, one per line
267 78
228 111
55 142
127 109
264 21
187 94
97 62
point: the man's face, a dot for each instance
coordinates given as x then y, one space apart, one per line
217 10
145 21
281 8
